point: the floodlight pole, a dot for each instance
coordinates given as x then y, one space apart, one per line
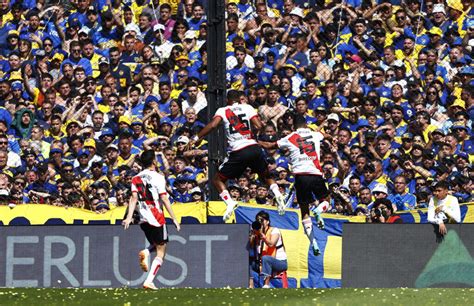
216 85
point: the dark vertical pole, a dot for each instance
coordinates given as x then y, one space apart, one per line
216 85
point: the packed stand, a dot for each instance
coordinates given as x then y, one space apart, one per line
87 85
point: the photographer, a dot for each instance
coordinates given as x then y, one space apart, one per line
266 244
382 212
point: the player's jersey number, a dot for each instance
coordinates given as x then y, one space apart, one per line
238 124
305 146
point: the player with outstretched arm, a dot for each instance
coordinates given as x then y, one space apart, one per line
149 192
239 119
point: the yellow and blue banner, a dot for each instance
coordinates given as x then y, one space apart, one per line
304 269
39 214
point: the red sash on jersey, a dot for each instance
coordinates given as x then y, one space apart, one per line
306 148
237 124
145 195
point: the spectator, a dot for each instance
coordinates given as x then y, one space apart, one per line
392 87
443 207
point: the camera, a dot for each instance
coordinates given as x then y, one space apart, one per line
256 225
370 134
377 212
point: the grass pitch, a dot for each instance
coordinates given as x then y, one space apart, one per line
290 297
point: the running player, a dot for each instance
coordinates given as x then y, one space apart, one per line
149 192
239 119
304 147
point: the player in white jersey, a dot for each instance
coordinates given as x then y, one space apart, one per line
149 192
304 147
238 120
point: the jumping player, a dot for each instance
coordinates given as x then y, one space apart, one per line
304 147
239 119
149 191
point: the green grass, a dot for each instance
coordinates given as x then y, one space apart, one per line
290 297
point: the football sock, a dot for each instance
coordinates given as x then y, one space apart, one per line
276 190
225 196
322 207
155 266
308 228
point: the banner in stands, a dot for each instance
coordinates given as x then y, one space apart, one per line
107 256
36 214
414 255
304 269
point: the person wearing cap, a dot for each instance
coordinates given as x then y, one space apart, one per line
81 164
380 191
12 43
461 132
42 180
97 174
443 208
379 41
235 192
438 17
462 162
139 135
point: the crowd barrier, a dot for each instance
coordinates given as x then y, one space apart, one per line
305 269
62 256
407 255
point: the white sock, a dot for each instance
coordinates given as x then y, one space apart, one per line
322 207
276 190
155 266
225 196
308 228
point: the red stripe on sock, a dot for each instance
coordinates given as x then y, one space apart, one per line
156 270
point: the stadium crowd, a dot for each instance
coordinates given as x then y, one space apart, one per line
87 85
